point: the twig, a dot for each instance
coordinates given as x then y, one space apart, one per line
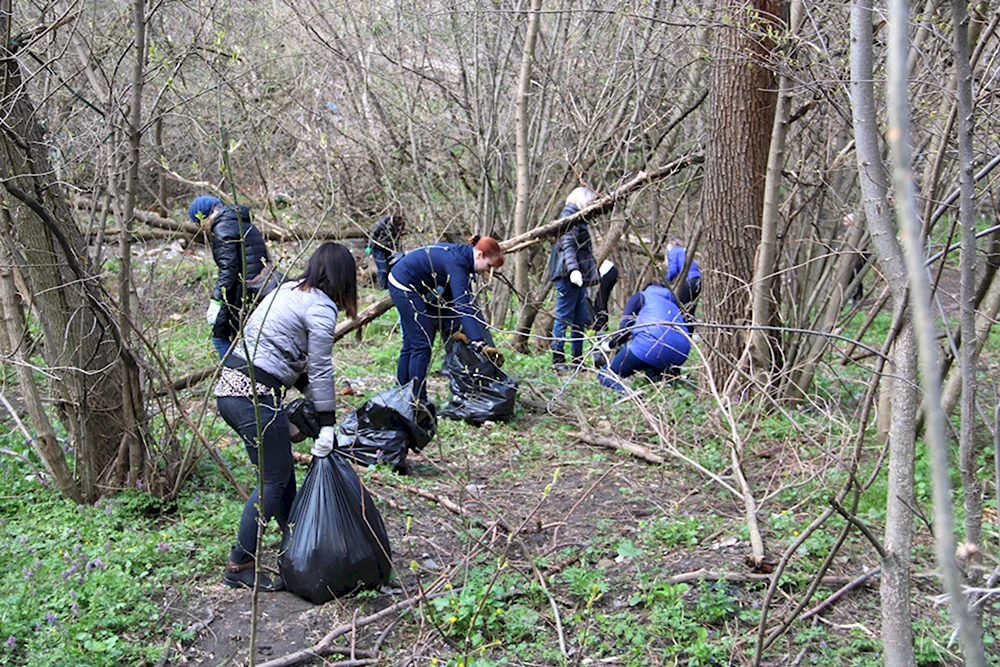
841 592
323 647
865 530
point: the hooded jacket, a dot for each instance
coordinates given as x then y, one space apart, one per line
289 340
573 252
236 243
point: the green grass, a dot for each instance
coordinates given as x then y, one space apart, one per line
83 585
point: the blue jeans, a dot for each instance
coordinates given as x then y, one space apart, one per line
381 258
277 470
221 346
571 313
627 363
418 336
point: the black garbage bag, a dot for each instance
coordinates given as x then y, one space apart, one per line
384 429
480 391
338 542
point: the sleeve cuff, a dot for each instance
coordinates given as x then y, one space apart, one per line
327 418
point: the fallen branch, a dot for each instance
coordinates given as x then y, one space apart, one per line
618 444
847 588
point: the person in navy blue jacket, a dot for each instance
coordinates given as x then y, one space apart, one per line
415 279
688 290
657 339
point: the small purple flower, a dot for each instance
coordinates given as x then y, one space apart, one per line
74 608
163 546
107 546
72 593
11 641
107 510
76 549
67 557
138 484
50 618
28 574
94 563
31 550
22 538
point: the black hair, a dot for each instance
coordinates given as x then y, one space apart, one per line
333 271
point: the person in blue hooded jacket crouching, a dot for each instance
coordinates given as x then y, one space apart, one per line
652 336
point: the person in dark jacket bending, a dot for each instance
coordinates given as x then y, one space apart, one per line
657 339
688 290
383 242
415 279
287 341
240 253
572 266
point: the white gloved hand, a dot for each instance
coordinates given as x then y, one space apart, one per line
212 314
604 347
576 278
324 443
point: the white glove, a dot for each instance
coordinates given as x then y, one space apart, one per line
324 443
606 266
576 278
212 314
604 347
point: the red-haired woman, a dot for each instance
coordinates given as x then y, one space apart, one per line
425 273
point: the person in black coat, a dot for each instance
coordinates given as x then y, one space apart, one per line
240 253
383 242
572 266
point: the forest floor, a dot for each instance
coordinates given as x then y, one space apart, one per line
522 544
529 542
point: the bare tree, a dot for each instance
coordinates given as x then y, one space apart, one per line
741 114
906 209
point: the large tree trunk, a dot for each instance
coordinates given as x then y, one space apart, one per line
742 114
81 349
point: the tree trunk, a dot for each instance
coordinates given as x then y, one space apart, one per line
897 629
930 372
81 349
759 359
741 117
521 142
15 336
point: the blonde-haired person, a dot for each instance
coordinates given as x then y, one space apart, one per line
415 279
572 267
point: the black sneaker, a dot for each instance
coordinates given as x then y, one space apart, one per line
242 576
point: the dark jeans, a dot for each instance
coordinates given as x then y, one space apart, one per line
571 313
221 346
418 335
381 258
277 469
688 292
626 363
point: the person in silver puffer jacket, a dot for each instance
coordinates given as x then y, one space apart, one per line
286 342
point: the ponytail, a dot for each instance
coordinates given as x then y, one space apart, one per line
490 249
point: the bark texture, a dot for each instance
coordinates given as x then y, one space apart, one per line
742 114
80 345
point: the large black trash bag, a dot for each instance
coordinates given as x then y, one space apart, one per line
385 428
338 542
479 390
